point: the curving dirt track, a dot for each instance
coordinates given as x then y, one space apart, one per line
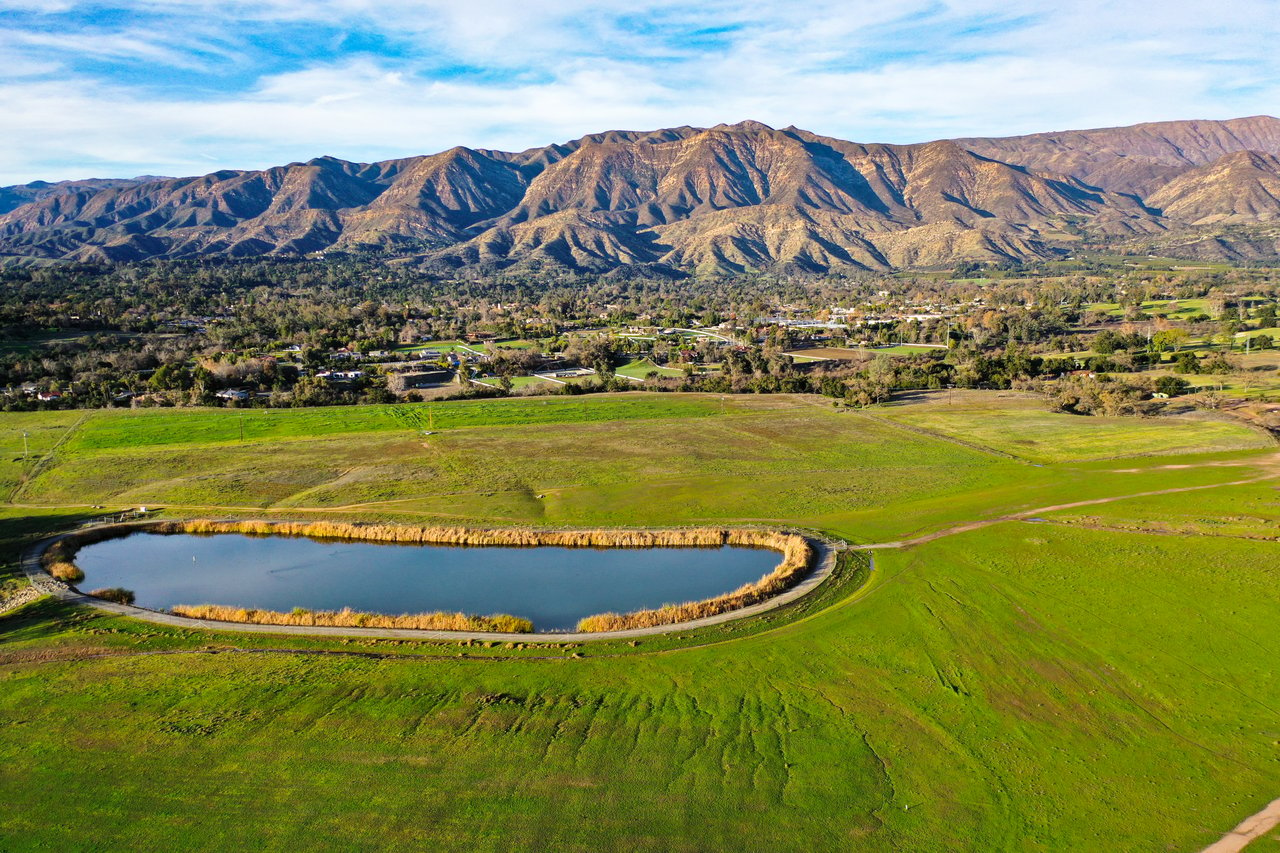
1250 829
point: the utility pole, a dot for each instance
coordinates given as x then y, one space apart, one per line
26 449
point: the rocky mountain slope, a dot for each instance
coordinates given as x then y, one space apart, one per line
16 196
727 198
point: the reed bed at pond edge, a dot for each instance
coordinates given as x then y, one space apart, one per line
347 618
797 556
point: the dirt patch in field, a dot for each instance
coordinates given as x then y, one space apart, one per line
51 655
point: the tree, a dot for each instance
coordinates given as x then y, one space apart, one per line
1107 342
598 353
1172 385
1218 364
1169 340
1186 363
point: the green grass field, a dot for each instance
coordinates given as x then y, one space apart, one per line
642 367
1172 309
861 353
1020 425
1101 678
121 429
436 346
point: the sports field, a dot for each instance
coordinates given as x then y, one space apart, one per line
1096 675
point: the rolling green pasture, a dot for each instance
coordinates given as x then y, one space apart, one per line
438 346
1101 678
1172 309
1249 511
642 367
1273 331
111 429
1020 425
627 459
1023 687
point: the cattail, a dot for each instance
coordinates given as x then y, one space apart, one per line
797 555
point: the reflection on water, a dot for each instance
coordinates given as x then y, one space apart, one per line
554 587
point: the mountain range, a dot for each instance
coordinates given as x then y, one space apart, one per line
728 198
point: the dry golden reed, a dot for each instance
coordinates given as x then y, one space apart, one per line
58 561
797 555
64 571
348 618
516 537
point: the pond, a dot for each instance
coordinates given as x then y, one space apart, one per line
553 587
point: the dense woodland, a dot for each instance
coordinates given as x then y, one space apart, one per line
178 333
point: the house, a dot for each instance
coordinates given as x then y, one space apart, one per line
339 375
47 396
232 394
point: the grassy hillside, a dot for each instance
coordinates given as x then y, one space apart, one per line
1019 424
1068 683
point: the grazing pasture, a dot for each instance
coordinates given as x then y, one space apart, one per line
1087 677
1020 425
117 429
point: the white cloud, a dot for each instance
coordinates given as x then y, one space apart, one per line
870 71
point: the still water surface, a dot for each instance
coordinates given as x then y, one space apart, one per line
554 587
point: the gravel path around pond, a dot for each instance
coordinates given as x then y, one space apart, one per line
44 584
826 558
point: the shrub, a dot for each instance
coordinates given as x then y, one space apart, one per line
1186 363
118 594
1172 385
65 571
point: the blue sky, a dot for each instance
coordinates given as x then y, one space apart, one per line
125 87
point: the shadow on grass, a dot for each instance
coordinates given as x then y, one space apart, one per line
18 532
42 619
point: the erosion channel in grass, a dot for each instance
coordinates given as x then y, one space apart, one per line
327 574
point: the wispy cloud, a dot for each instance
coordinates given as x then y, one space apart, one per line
103 88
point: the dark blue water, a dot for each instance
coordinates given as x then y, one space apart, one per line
554 587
